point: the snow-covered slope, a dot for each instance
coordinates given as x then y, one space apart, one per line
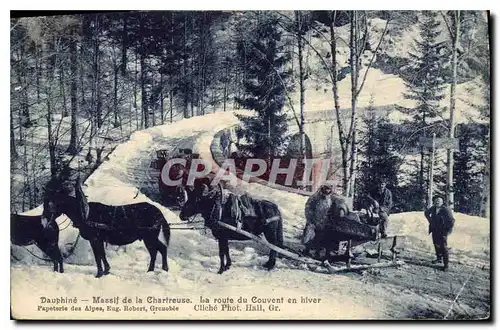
388 90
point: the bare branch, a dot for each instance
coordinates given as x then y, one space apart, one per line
373 58
447 24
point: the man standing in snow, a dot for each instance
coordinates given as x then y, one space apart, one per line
383 198
441 223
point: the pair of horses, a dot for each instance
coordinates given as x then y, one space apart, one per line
98 223
121 225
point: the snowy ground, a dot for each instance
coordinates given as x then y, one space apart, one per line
193 258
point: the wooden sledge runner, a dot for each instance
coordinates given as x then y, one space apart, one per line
310 261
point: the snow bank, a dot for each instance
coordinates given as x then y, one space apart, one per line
470 236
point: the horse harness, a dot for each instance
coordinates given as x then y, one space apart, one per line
241 208
102 226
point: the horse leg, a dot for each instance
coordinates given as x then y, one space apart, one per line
97 255
107 267
58 257
221 255
228 258
153 250
271 234
163 251
44 246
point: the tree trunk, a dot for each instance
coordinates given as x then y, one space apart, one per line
26 185
13 150
354 56
124 46
340 127
135 92
191 87
225 86
486 180
21 102
51 144
184 71
449 152
50 67
162 111
115 94
421 176
144 102
62 86
73 148
301 84
97 76
24 115
83 102
38 72
171 106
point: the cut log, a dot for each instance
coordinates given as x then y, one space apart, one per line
334 270
283 252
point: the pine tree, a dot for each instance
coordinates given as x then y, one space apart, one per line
378 157
470 166
266 84
425 86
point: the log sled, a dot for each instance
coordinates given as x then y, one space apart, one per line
314 264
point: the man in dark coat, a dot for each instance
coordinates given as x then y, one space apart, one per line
383 199
441 223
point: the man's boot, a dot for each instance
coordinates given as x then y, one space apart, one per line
437 261
445 261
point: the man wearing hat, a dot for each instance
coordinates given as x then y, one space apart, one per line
383 199
441 223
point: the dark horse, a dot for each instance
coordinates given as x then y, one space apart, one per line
117 225
209 202
26 230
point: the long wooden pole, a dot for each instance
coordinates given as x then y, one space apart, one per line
306 260
271 246
431 171
449 153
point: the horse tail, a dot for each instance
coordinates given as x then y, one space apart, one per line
164 235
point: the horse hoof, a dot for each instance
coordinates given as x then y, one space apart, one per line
268 265
99 275
220 271
165 269
106 272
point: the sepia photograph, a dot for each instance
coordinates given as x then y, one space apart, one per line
250 165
